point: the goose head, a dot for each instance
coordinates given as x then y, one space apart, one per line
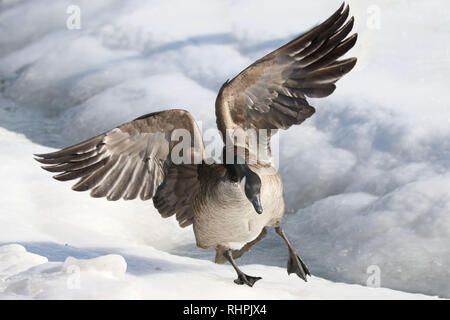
251 185
249 182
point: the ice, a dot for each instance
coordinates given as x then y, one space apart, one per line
366 178
14 259
111 264
363 226
99 277
169 277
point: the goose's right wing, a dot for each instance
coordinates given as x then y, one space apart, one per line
131 160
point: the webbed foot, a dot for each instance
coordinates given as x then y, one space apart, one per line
246 279
297 266
295 263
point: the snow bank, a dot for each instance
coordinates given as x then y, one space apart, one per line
407 241
14 259
35 277
366 178
165 277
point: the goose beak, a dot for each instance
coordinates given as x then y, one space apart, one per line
257 204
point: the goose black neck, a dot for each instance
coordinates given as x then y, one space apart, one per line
237 171
236 166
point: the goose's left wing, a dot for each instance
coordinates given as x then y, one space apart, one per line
271 93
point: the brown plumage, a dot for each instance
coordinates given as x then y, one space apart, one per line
229 205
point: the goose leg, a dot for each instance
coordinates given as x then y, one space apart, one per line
295 263
242 277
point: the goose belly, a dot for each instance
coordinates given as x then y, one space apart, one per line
228 219
231 227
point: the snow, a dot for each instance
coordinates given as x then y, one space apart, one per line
366 179
169 277
14 259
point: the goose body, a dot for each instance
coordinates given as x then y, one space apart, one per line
229 204
223 206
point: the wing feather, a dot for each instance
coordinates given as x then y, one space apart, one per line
128 161
175 198
271 93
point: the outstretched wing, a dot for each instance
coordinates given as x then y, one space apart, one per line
128 161
271 93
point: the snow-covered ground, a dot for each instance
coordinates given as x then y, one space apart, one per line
367 179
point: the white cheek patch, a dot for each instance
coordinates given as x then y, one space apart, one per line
242 184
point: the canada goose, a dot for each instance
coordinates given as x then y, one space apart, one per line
229 204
